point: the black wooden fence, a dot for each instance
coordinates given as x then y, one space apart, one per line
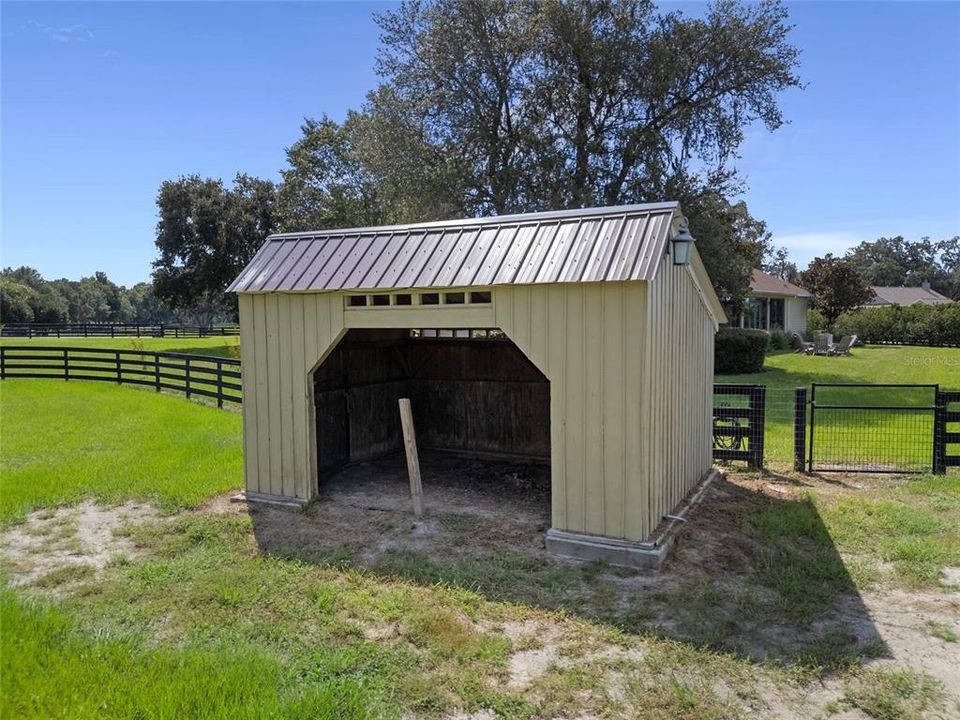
204 375
738 423
32 330
946 430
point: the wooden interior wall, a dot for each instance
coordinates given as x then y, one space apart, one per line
467 395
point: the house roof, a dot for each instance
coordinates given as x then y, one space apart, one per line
765 284
587 245
907 296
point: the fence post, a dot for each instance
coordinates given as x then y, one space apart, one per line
187 376
156 371
219 384
116 357
3 363
939 433
758 405
66 364
800 429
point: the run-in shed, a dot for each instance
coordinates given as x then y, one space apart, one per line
570 335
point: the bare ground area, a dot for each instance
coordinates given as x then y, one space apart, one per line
56 547
484 530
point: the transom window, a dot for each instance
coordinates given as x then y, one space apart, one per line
452 297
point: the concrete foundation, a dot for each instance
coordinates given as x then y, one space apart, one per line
268 499
646 556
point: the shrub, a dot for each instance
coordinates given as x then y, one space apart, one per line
779 341
816 323
737 350
935 325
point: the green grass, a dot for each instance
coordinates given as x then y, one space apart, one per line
913 524
892 694
198 622
786 371
217 346
52 668
65 441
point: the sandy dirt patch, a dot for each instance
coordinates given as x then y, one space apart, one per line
80 536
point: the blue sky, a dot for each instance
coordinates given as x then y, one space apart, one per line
102 102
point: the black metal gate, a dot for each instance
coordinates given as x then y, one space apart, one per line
875 428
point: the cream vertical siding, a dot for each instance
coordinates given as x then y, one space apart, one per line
630 366
677 395
283 337
586 338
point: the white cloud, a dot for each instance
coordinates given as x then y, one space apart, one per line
803 247
67 33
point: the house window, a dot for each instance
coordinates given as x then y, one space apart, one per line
454 298
381 299
755 313
480 298
429 298
357 301
403 299
776 314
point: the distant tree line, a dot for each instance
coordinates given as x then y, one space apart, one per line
507 106
26 297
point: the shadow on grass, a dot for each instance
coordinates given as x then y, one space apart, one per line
751 574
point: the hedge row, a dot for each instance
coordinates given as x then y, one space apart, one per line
935 325
738 351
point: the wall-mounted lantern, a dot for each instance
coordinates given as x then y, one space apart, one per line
682 242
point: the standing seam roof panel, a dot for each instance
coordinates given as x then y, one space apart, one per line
289 262
274 261
328 250
590 245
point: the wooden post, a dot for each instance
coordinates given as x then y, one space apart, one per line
413 460
219 384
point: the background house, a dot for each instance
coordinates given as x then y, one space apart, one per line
907 296
774 304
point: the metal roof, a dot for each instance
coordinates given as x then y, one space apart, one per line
588 245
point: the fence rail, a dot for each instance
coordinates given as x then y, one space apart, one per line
738 423
48 330
204 375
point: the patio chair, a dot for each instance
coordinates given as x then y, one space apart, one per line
823 344
843 347
799 344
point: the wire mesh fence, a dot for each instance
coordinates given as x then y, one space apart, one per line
874 428
868 428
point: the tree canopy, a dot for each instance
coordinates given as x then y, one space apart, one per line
837 286
207 233
499 106
25 296
895 261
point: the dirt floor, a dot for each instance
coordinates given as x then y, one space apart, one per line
484 528
471 507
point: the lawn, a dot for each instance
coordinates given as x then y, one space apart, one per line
761 609
216 346
877 437
65 441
